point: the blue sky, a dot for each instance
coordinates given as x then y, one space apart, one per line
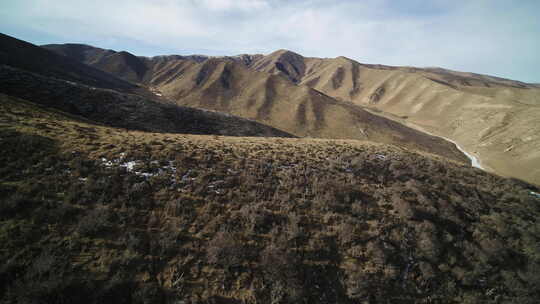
495 37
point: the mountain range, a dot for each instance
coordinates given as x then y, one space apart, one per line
495 120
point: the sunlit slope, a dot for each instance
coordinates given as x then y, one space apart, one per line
496 119
229 85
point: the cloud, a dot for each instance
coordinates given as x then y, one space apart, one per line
496 37
245 5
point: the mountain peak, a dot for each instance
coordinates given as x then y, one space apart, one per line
284 52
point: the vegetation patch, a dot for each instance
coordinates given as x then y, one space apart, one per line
91 214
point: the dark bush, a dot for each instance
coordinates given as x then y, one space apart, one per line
96 221
225 249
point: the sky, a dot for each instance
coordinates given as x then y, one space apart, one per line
494 37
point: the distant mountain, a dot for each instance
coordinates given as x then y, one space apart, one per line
231 85
43 77
26 56
126 65
494 119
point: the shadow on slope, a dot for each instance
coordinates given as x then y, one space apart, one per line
125 110
29 57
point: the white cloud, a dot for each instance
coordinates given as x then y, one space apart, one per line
497 37
246 5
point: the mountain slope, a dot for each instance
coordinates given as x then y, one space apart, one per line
496 119
93 214
26 56
96 214
62 83
228 85
121 64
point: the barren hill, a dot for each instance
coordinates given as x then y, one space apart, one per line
495 119
43 77
92 212
228 84
26 56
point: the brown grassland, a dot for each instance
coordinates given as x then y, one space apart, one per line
495 119
94 214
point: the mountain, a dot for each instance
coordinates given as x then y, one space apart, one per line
65 84
126 65
121 64
26 56
229 85
495 119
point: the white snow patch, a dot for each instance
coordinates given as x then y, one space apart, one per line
106 162
475 162
129 165
380 156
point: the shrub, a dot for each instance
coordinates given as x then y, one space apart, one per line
225 249
279 266
94 222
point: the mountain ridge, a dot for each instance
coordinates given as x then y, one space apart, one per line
56 81
471 109
229 85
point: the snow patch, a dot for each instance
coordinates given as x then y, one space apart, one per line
475 162
130 166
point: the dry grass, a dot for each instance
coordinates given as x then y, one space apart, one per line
93 214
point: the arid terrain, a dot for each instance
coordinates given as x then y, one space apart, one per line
119 185
92 213
497 120
228 85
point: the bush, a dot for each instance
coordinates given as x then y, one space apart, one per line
279 267
225 249
94 222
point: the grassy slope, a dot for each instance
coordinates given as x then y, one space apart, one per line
26 56
496 119
227 85
231 219
124 110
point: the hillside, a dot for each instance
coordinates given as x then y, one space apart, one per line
495 119
228 85
26 56
103 200
128 111
94 214
57 81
